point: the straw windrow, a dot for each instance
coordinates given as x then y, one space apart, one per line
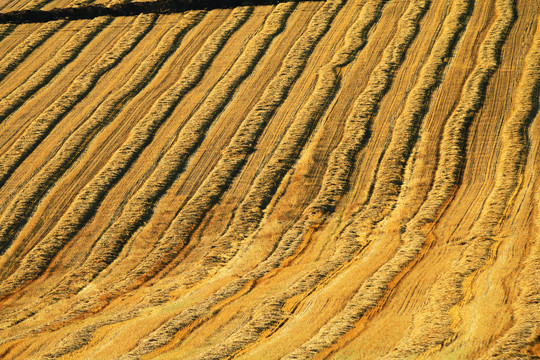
87 201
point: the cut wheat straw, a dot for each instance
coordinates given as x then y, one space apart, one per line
432 325
87 201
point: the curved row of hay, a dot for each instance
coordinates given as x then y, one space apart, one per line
11 102
270 182
37 38
293 63
514 144
33 41
389 176
23 203
271 311
428 333
139 137
267 181
35 261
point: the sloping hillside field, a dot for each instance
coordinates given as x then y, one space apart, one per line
342 179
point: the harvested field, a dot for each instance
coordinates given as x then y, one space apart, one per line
342 179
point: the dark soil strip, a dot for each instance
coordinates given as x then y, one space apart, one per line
127 9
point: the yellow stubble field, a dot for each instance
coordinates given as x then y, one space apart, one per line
305 180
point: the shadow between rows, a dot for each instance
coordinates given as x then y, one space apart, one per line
127 9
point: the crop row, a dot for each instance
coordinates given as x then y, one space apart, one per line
415 108
38 37
87 201
292 239
118 232
245 138
25 200
40 78
139 208
21 52
446 292
39 128
252 208
144 130
431 327
6 29
514 137
380 79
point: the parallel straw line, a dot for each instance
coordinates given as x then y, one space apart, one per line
15 99
99 259
274 95
38 129
292 239
241 145
25 201
87 201
271 312
432 325
99 304
6 29
251 210
142 133
514 151
36 39
516 341
527 305
140 206
415 110
21 52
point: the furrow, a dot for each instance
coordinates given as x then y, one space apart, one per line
5 30
431 327
134 212
357 123
22 206
87 201
251 210
20 53
235 262
514 150
524 332
252 126
143 132
36 81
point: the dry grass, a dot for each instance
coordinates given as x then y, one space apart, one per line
513 157
35 82
392 171
349 199
139 206
87 201
271 310
17 55
432 326
251 210
23 204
